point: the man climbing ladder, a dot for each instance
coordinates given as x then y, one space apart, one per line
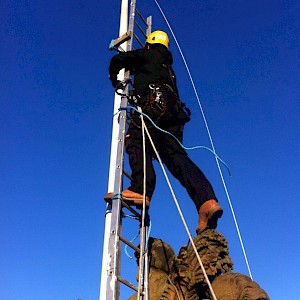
157 94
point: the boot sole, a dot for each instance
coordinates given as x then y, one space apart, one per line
136 202
212 220
130 201
213 217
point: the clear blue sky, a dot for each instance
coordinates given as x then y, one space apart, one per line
56 116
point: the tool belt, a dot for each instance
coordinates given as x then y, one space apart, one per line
163 105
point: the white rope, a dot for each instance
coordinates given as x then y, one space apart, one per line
142 234
175 288
181 215
210 138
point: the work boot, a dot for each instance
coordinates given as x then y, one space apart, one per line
108 197
131 198
209 213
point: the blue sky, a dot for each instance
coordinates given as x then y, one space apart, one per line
56 117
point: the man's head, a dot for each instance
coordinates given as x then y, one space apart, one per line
158 37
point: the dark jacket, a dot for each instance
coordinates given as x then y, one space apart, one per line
148 66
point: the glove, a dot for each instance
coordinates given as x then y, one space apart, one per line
119 85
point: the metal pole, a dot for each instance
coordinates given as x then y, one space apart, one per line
103 295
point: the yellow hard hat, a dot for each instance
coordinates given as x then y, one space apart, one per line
158 37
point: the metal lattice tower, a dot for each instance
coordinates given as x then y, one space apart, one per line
111 260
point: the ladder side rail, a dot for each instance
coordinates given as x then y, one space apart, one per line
114 246
144 260
149 25
131 23
113 226
143 276
108 289
142 235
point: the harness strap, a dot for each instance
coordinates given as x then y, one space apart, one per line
161 86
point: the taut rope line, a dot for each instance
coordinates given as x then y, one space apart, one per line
210 138
180 212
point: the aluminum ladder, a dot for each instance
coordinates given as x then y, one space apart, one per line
111 274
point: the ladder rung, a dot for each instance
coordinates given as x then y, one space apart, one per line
140 15
140 28
137 249
129 284
131 209
127 174
138 40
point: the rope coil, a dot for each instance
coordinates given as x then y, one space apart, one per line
167 132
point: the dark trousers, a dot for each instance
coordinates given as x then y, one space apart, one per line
172 155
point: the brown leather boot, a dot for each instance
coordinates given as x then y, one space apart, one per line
131 198
209 213
108 197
